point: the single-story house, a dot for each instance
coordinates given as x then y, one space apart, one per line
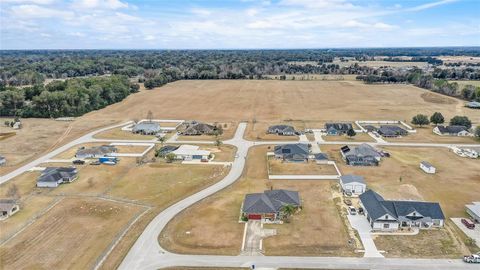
194 128
54 176
391 131
337 128
473 105
8 208
3 160
190 152
146 128
451 131
427 167
386 215
165 150
268 205
473 210
362 155
296 152
96 151
321 158
284 130
354 184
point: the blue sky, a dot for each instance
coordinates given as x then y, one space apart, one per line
212 24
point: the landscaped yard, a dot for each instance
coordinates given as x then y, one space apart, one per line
278 166
211 226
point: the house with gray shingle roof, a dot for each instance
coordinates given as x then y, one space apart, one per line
194 128
96 151
362 155
451 131
385 215
146 128
337 128
54 176
8 207
284 130
321 158
268 205
391 131
296 152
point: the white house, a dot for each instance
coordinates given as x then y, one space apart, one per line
427 167
8 208
354 184
190 152
460 131
473 210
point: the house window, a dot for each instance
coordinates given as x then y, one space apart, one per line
386 225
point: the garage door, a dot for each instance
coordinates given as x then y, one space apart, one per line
254 216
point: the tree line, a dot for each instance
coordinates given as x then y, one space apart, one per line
73 97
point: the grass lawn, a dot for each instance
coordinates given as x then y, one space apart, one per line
211 226
436 243
222 153
119 134
289 168
87 226
360 137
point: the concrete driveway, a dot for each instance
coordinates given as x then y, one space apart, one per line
474 234
360 223
252 240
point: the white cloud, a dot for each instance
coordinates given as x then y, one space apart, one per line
430 5
37 2
39 12
103 4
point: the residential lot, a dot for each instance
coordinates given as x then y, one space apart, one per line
211 226
70 153
400 178
119 134
68 227
360 137
257 131
309 168
228 132
425 134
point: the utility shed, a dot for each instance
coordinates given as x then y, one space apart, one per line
427 167
473 210
353 183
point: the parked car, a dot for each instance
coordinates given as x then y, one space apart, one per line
474 258
78 162
360 211
347 202
347 193
95 163
352 210
468 223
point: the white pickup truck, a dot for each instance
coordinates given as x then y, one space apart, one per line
474 258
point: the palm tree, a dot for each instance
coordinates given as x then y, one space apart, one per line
288 210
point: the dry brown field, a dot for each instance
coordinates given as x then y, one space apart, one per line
66 228
311 168
380 63
314 77
269 101
462 84
455 59
211 226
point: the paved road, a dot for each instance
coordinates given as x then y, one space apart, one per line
84 139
